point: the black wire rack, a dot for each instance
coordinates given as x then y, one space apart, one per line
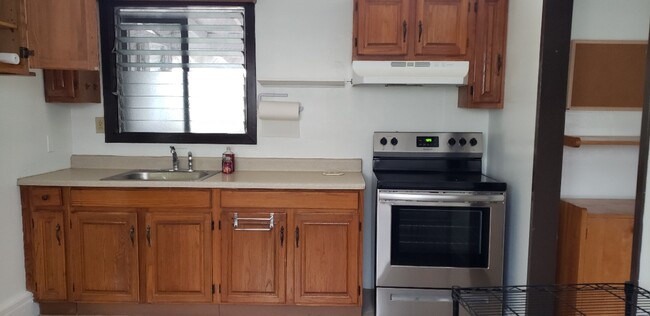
612 299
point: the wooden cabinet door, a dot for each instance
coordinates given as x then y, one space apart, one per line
63 34
49 254
489 53
608 249
71 86
105 256
179 257
382 27
253 257
13 34
326 258
441 27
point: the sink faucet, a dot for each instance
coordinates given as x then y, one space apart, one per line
174 158
190 163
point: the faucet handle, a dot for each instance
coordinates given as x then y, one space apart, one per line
172 149
190 162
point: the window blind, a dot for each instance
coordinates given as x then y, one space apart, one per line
181 69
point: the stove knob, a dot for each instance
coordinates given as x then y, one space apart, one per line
462 142
393 141
451 142
473 142
383 141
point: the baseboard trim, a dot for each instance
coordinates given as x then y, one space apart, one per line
20 305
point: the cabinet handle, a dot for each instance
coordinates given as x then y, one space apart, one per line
58 234
237 220
297 237
149 235
420 31
499 64
282 236
404 31
132 235
45 197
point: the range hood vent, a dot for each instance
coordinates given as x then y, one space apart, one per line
409 72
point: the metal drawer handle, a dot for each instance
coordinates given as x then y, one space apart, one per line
58 234
132 235
254 220
282 236
148 235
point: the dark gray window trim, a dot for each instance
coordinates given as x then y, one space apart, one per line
107 26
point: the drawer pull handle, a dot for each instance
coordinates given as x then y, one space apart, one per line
58 234
253 220
132 235
404 29
149 235
420 32
281 236
45 197
297 237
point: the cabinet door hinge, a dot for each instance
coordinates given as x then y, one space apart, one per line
475 6
219 225
355 42
25 52
360 226
32 223
219 288
212 225
72 287
356 6
359 290
471 90
35 286
213 288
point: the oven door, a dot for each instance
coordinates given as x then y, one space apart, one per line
439 239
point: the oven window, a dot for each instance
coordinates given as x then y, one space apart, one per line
440 236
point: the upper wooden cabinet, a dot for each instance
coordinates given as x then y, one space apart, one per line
487 63
411 29
57 34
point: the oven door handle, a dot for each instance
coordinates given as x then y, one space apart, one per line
390 197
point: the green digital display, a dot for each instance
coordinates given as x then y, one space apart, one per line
427 141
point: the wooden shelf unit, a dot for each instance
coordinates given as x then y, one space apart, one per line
577 141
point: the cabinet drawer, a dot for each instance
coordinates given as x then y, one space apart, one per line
150 198
41 196
290 199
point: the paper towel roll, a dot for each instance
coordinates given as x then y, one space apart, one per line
284 111
9 58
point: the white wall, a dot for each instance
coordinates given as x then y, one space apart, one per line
312 40
512 131
25 123
596 171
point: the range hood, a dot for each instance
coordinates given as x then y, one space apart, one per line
366 72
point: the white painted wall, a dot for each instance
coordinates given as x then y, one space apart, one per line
512 132
25 123
596 171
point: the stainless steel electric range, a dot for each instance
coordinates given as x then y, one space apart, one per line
440 221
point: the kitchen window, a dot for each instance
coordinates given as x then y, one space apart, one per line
179 74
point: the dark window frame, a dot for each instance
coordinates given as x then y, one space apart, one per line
107 34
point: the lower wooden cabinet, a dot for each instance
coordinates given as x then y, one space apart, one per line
312 252
128 245
179 257
49 251
326 258
254 253
595 241
104 256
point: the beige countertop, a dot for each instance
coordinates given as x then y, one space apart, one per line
252 173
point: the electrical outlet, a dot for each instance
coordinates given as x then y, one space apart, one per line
99 125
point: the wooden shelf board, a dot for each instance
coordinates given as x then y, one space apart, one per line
577 141
604 206
8 25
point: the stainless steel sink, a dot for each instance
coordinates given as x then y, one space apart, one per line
163 175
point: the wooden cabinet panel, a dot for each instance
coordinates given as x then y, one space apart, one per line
63 34
441 27
325 261
595 241
290 199
383 27
254 257
45 196
71 86
105 256
179 257
49 251
147 198
13 34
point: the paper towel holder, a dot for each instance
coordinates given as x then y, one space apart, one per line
274 95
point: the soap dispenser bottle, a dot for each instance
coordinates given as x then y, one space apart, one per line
228 161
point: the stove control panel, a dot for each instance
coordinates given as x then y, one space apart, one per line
425 143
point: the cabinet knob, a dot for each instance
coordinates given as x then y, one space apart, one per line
45 197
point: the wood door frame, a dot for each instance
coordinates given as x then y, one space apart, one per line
549 132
